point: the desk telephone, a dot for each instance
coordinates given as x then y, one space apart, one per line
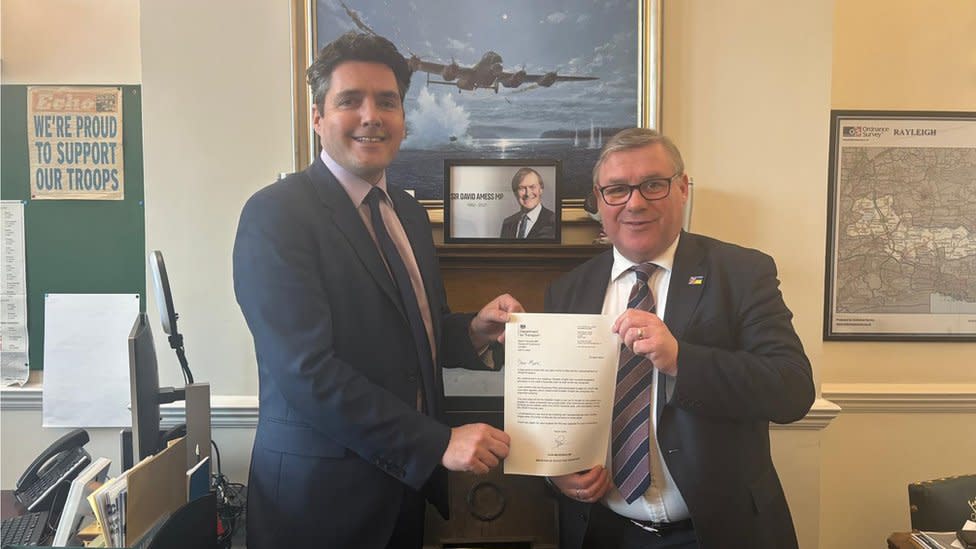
60 462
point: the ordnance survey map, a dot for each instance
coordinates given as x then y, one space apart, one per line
902 248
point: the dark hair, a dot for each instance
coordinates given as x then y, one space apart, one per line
520 175
355 46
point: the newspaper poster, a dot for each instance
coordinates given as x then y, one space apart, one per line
14 343
75 143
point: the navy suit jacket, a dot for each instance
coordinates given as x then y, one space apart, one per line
544 226
339 434
740 366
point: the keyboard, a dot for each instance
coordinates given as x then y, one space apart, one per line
71 464
23 530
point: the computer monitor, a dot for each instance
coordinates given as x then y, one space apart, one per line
76 507
145 391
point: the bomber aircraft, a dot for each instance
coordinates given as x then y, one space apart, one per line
488 73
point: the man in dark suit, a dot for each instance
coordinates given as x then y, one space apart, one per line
720 361
533 220
338 280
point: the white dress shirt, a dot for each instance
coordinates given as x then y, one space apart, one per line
531 217
662 502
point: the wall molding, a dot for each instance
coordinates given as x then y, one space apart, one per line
226 411
241 411
818 418
23 398
909 398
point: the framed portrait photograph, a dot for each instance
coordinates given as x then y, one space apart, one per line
504 79
502 200
901 243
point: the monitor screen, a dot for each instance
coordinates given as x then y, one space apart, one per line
144 386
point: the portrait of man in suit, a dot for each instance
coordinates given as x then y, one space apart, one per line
336 274
709 358
533 220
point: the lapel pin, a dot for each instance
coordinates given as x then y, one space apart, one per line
696 281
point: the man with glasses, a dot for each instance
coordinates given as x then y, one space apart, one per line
709 357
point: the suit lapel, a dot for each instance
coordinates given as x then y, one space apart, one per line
350 224
683 293
590 299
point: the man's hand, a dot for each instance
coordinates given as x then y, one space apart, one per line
489 325
476 448
645 334
588 486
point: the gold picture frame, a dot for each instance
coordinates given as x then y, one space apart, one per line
646 31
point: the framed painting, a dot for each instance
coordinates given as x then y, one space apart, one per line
504 200
503 80
901 242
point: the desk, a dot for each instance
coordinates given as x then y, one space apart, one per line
9 506
901 540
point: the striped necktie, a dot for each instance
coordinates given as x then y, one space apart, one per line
632 404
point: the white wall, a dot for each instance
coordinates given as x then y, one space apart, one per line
217 121
909 408
747 99
69 42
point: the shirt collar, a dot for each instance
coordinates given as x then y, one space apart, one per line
356 187
533 214
665 260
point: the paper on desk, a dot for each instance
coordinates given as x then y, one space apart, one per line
14 358
86 359
560 372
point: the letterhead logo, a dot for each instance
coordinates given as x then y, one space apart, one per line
862 132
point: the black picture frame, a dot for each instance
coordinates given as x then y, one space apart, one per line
481 207
896 267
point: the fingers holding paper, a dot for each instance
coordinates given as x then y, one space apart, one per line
488 326
645 334
587 486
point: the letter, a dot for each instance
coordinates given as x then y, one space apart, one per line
115 179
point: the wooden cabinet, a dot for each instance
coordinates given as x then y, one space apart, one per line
498 511
476 273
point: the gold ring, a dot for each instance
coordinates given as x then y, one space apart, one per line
640 333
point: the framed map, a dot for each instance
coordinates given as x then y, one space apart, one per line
901 218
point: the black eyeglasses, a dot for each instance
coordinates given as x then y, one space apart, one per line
650 189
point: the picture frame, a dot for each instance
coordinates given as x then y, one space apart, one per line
514 201
566 120
901 245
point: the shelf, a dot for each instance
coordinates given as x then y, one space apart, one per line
549 256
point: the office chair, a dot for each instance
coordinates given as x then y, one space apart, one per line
942 505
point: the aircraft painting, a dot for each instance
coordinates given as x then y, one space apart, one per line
488 73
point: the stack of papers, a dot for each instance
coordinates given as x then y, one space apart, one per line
108 503
134 505
936 540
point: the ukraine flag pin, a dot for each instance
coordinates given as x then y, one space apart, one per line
696 281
